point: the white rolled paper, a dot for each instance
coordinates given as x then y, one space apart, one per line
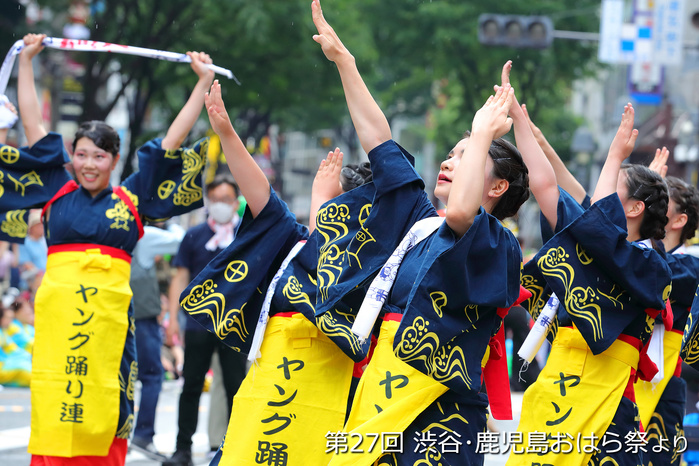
538 332
382 283
367 315
655 350
7 118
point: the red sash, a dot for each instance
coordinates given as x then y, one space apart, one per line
495 376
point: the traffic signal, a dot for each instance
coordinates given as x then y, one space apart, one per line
515 31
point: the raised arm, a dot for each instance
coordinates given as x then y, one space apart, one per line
368 119
465 196
183 123
326 184
621 148
565 178
542 178
27 99
659 163
251 180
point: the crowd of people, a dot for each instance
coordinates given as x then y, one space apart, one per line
373 335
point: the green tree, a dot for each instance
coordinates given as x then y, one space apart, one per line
428 59
419 57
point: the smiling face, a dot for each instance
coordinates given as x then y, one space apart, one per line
448 168
93 165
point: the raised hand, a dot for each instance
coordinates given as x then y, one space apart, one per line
659 163
535 129
332 46
492 118
625 138
516 111
218 116
326 184
505 75
199 62
8 105
32 45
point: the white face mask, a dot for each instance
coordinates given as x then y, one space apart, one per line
221 212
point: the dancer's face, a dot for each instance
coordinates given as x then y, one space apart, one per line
448 168
93 165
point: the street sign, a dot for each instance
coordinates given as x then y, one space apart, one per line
652 33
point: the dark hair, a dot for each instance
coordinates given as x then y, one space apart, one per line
222 178
508 165
353 175
645 185
99 132
686 199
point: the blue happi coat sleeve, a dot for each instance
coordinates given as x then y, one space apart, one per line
349 257
226 297
168 182
690 339
567 211
685 277
603 281
29 177
452 309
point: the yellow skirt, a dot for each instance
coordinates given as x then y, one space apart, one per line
289 402
400 391
576 394
81 324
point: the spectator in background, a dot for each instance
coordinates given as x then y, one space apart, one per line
33 253
21 330
171 353
201 244
146 305
7 262
15 362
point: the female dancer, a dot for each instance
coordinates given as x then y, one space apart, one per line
661 402
298 388
442 293
611 284
84 368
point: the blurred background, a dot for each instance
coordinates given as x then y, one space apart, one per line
429 63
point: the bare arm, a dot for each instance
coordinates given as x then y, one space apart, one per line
368 119
183 123
565 178
465 196
326 184
251 180
542 178
28 100
177 286
621 148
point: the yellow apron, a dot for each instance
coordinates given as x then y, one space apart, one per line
577 392
406 402
81 323
289 402
648 394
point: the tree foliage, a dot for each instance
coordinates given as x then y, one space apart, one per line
419 57
430 60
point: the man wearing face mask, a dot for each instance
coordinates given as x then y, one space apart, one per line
200 245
